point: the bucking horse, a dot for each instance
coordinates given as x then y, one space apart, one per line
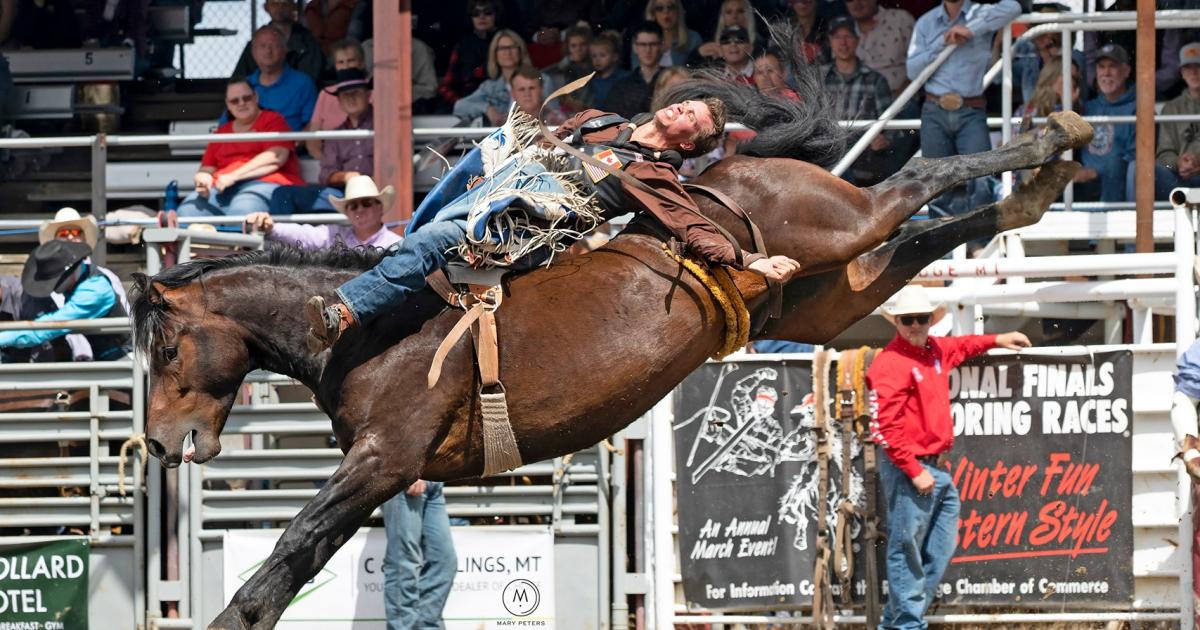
588 344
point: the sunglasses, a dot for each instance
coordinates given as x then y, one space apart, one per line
68 232
909 320
665 8
367 204
734 40
239 100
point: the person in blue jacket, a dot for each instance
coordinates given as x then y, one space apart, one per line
1106 161
60 266
1183 410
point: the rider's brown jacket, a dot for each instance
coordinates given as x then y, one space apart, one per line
680 216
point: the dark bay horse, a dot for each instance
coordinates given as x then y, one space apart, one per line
587 344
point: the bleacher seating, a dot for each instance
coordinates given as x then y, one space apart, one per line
63 66
42 101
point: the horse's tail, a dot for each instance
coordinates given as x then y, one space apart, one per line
806 129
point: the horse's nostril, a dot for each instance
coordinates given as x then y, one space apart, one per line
155 447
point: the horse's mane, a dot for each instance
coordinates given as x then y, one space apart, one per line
805 129
149 310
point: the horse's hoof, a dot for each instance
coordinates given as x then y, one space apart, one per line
1029 202
1073 131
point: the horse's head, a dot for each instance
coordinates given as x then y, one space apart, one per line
197 359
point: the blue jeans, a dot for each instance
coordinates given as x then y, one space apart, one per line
242 198
1165 180
388 284
419 564
948 133
303 199
922 535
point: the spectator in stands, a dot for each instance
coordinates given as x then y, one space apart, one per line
420 563
883 40
1030 56
954 120
1046 97
733 13
667 79
1183 410
302 51
424 78
468 62
62 267
808 27
327 113
1178 157
860 93
494 96
735 53
341 159
606 63
364 204
1107 159
679 40
528 94
910 383
631 95
546 44
68 225
331 21
770 77
237 178
575 64
280 88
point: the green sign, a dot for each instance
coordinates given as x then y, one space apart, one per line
44 586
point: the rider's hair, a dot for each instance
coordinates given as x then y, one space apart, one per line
805 129
708 139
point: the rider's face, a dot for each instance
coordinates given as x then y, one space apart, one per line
682 122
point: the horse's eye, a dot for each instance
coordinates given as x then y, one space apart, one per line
170 352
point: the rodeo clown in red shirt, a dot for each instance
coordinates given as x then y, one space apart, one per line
910 386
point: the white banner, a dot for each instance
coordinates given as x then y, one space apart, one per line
505 579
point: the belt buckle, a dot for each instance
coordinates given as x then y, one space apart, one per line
950 101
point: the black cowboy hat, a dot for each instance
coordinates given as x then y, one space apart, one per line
50 264
349 79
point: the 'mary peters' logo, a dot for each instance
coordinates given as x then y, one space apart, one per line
521 597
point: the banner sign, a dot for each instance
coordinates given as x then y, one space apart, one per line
505 579
1041 459
44 586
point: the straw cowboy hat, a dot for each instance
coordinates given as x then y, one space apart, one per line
66 217
363 187
913 300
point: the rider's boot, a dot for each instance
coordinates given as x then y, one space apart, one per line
1192 466
325 323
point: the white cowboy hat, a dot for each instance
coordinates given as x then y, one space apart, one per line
913 300
363 187
66 217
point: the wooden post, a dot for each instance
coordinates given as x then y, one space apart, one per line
1144 127
393 104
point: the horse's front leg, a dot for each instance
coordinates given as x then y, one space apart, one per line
367 477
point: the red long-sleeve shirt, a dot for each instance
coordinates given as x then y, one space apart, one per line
911 388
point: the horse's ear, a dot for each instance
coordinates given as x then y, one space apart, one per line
148 288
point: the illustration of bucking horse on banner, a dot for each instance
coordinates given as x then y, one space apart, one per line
587 343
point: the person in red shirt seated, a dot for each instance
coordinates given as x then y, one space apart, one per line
910 390
237 178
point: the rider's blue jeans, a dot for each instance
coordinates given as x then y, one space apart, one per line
419 564
386 285
922 535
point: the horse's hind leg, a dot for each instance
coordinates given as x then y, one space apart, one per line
366 478
923 179
817 308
